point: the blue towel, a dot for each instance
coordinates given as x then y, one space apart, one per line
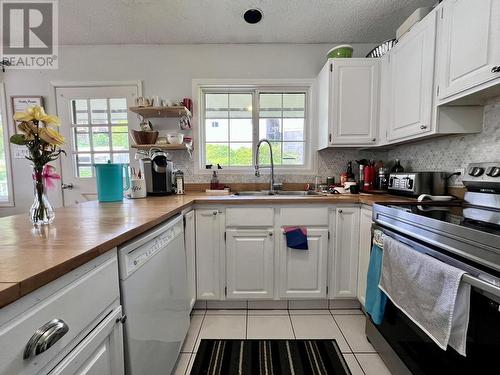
296 239
375 299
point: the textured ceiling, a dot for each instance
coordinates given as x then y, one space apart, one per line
220 21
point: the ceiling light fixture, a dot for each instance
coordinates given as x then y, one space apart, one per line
253 16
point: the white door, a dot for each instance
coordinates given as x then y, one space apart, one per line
190 244
210 255
470 44
303 273
412 78
249 263
365 237
344 277
95 122
100 353
354 101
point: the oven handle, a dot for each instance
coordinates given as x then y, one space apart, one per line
468 277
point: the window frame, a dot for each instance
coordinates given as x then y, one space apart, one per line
256 87
6 125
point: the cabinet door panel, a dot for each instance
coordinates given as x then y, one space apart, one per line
303 273
355 101
249 262
345 252
365 224
100 353
412 78
209 254
470 44
190 244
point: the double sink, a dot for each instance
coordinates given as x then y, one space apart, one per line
278 193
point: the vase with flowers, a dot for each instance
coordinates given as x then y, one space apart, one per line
38 133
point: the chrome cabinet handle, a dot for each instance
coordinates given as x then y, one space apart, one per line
44 337
495 69
213 213
67 186
423 127
270 234
340 211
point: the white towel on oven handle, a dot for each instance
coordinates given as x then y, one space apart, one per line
429 292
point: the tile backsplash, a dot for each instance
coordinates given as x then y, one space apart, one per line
447 154
456 151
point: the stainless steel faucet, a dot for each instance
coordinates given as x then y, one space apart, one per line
257 167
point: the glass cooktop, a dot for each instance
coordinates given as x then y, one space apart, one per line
466 216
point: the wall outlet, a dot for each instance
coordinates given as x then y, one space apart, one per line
20 152
459 170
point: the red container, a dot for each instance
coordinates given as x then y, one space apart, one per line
188 103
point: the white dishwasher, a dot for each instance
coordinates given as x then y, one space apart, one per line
154 294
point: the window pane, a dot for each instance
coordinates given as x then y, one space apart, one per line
121 158
83 159
101 158
84 172
270 105
264 157
100 140
240 130
82 142
118 111
99 111
270 128
293 153
216 105
240 105
217 153
294 105
80 111
293 129
120 141
216 130
4 185
240 154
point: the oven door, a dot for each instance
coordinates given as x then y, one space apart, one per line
406 349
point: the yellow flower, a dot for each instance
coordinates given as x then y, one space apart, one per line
28 129
37 113
51 136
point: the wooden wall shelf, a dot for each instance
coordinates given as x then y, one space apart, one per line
183 146
161 112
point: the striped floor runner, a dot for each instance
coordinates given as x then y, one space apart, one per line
269 357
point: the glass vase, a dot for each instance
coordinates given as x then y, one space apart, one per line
41 212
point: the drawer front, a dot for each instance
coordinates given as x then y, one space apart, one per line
304 216
77 304
249 217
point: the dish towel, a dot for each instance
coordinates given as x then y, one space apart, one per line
296 237
375 299
429 292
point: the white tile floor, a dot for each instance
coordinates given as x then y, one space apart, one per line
346 326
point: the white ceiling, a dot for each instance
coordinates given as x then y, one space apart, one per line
220 21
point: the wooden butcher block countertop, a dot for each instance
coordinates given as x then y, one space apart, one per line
31 258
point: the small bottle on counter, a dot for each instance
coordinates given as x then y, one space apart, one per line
179 182
397 168
214 182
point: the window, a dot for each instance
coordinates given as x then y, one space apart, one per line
235 120
100 131
5 188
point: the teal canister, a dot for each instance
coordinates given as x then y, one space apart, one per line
109 178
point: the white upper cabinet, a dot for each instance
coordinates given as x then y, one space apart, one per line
411 70
348 97
249 263
303 273
469 46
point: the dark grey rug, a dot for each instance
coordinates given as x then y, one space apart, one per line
269 357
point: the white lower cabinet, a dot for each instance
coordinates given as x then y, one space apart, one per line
190 246
365 236
100 353
345 246
249 263
303 273
210 257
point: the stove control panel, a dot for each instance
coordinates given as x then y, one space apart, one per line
483 177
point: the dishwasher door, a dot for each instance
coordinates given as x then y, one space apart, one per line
155 300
